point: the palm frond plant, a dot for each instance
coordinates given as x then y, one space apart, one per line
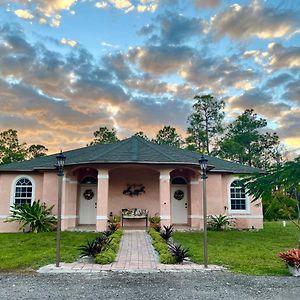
94 247
166 234
179 253
220 222
37 216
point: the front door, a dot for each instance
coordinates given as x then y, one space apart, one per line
88 205
179 204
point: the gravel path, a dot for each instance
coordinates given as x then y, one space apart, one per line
152 286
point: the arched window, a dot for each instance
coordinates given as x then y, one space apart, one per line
89 180
179 180
23 191
237 196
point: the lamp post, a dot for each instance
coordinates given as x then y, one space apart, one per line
203 166
60 162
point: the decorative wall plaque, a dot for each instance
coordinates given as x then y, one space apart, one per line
134 190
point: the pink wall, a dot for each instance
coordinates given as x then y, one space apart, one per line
6 181
118 180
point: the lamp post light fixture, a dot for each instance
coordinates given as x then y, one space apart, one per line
60 162
203 166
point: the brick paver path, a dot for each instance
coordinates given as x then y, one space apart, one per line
136 252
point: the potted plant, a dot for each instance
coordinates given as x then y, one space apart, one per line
292 260
155 222
115 219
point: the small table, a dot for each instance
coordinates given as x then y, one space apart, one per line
133 217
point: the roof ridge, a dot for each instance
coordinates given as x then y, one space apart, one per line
113 146
154 147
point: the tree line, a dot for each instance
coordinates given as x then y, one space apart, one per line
245 139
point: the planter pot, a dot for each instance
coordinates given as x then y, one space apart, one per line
294 271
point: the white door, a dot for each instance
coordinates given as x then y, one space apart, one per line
179 204
88 205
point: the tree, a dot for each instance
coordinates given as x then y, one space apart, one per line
10 148
245 143
205 123
168 136
283 179
104 136
35 151
142 135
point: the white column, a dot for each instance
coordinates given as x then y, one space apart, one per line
102 200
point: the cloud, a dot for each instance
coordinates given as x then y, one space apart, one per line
68 42
207 3
292 91
279 80
176 28
283 57
140 6
24 14
261 102
254 20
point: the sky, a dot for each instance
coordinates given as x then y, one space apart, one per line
68 67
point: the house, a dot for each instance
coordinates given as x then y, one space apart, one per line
103 179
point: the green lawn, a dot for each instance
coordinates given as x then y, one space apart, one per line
27 251
247 252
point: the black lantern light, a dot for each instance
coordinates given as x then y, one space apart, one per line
60 162
203 166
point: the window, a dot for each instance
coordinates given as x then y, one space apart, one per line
178 180
237 196
89 180
23 191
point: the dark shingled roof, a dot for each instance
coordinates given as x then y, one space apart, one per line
131 150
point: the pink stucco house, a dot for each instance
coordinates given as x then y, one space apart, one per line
98 180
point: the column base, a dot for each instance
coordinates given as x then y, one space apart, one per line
101 225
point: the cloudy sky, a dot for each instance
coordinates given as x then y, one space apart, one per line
68 67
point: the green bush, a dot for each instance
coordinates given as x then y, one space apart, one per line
161 247
36 215
108 255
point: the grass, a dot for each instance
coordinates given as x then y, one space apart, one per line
247 252
29 251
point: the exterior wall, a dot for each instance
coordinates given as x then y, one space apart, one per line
110 197
6 182
118 180
253 218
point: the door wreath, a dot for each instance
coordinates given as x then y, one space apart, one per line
88 194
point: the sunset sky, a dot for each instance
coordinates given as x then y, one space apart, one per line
68 67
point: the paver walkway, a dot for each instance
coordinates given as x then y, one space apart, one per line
136 254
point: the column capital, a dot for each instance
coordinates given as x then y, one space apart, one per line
103 174
164 177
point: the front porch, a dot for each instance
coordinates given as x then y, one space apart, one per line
92 194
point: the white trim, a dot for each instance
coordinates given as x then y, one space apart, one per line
103 176
69 180
165 217
195 217
237 211
101 218
246 216
13 188
164 177
195 182
65 217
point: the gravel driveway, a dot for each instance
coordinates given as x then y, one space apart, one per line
151 286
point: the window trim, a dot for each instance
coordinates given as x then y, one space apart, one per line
247 200
13 188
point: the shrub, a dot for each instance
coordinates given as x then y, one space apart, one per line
179 253
106 257
109 253
220 222
154 219
93 247
161 247
36 215
291 257
167 232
